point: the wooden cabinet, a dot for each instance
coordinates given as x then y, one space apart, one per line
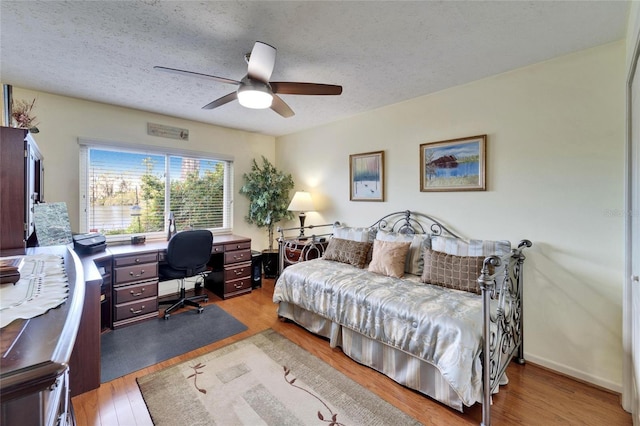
231 267
21 186
135 288
296 250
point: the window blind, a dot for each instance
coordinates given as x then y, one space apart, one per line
125 192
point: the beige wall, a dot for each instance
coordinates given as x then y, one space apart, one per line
630 394
62 120
555 176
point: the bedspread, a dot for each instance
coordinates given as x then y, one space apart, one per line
440 326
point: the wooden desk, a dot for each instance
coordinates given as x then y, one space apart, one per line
35 362
132 267
99 310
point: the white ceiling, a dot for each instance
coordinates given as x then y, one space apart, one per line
380 52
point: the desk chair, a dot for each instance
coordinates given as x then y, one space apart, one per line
187 255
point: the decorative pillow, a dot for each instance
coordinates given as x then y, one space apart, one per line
354 234
414 263
389 258
457 272
458 247
347 251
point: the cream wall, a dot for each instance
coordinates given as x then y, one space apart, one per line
62 120
630 394
555 176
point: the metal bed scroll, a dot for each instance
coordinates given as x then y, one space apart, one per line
310 248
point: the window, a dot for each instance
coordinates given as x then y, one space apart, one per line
135 191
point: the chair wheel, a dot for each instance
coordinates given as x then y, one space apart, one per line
200 310
205 300
166 316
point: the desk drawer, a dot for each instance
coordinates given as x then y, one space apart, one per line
135 259
136 273
237 271
237 246
136 292
217 249
136 308
237 256
234 286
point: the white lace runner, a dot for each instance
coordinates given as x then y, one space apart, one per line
43 285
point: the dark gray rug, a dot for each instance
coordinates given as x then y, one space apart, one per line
138 346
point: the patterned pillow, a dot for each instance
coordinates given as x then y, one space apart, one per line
347 251
457 272
458 247
414 263
389 258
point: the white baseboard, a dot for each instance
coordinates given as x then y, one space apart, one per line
572 372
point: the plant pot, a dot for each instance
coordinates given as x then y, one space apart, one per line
270 263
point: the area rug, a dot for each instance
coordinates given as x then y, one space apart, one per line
263 380
137 346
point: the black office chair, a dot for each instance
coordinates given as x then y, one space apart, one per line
187 255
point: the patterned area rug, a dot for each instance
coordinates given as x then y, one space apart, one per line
263 380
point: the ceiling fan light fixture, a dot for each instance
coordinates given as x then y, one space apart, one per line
255 97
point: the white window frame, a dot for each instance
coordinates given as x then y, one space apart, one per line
89 143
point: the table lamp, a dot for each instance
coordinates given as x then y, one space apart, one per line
301 202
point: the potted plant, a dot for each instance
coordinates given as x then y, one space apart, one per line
268 191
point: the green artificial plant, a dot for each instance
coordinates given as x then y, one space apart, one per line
268 191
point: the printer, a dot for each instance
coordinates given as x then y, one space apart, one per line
89 243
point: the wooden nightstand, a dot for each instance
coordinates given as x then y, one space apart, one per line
295 250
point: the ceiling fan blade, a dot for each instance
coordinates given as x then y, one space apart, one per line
289 88
261 62
221 101
280 106
197 74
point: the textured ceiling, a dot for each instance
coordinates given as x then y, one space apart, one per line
380 52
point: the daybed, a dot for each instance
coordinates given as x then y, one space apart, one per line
446 322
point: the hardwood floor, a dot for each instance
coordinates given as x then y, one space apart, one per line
534 395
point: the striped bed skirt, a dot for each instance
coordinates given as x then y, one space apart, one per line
400 366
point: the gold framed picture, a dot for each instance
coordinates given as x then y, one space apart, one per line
454 165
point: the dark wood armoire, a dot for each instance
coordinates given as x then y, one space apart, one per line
21 186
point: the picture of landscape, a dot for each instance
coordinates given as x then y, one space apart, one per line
455 165
367 176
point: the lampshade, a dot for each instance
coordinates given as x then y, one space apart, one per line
301 202
256 97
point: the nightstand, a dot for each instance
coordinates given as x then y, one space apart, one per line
299 250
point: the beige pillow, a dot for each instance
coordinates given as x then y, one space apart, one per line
414 263
389 258
447 270
347 251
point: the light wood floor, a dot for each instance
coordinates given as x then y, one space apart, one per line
534 396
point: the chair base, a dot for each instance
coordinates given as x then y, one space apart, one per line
184 301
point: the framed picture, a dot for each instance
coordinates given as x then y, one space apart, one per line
366 174
454 165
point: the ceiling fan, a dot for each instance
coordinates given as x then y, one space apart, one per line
255 90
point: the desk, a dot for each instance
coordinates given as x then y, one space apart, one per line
36 353
129 292
101 301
